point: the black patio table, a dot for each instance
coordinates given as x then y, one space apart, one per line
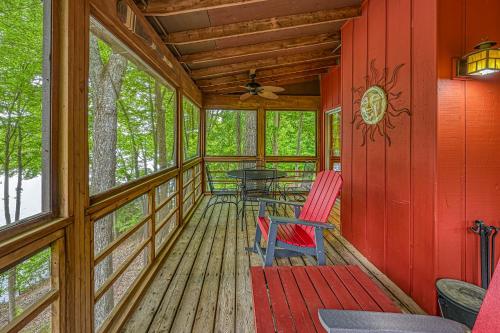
240 173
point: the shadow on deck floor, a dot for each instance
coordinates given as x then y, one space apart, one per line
204 283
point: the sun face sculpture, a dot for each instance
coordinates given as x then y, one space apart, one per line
375 102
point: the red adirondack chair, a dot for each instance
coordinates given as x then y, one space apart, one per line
304 233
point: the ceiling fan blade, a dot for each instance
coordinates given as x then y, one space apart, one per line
273 89
245 96
268 94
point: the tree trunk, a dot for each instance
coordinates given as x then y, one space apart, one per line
299 139
11 282
238 132
276 126
161 137
19 187
250 135
106 81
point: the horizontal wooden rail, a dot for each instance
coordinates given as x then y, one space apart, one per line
122 238
143 182
31 312
24 240
191 163
165 220
116 274
11 259
166 201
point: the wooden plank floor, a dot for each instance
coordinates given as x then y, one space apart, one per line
204 283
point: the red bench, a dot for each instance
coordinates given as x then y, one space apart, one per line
287 299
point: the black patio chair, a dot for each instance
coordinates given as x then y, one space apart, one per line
219 196
295 188
256 184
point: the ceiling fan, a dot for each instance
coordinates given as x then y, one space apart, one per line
255 89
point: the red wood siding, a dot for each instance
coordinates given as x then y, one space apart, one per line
388 195
330 89
468 162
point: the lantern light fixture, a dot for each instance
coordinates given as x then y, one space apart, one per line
484 60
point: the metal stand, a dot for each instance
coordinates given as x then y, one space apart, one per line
487 247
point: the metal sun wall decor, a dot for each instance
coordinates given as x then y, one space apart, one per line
375 101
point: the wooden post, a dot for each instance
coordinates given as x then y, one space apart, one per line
180 152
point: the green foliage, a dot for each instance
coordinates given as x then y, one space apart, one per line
33 271
137 150
231 133
30 273
336 133
191 126
21 85
293 133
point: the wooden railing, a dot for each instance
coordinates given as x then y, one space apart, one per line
145 219
42 304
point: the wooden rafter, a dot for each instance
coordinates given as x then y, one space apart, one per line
262 63
283 82
175 7
263 25
268 80
268 73
293 44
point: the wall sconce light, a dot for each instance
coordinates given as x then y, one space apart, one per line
484 60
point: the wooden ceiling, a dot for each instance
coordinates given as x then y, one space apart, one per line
288 42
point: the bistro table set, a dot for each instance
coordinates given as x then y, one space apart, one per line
253 183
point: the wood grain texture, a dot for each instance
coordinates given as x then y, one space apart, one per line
267 73
289 45
176 7
389 188
467 167
262 25
281 61
206 278
293 295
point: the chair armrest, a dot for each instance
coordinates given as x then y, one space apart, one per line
281 202
341 321
291 220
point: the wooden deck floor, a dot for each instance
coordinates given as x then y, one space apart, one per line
204 283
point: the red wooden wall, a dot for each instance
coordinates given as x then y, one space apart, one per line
408 206
330 89
468 159
388 195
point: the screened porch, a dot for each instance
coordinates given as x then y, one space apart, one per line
240 165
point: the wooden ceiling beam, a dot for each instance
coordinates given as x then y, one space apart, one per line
267 73
269 80
293 44
241 67
270 83
176 7
263 25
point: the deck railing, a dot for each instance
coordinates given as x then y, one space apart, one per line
149 214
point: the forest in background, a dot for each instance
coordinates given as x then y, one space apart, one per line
23 146
131 121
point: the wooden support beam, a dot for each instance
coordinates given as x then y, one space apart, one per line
281 61
267 73
263 25
283 82
267 81
294 44
231 102
175 7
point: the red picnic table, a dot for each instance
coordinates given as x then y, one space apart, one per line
287 298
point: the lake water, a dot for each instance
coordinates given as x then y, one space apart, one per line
31 198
